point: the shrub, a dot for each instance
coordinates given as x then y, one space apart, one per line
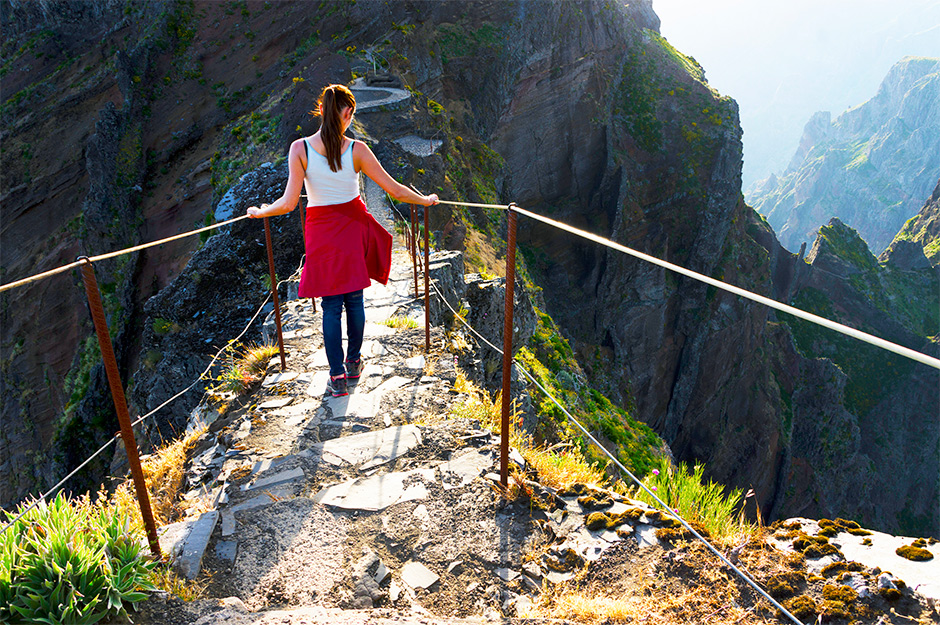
706 502
71 561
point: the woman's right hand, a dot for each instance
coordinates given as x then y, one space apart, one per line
254 212
431 200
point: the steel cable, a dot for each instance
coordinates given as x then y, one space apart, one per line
626 471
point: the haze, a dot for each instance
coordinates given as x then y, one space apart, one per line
784 60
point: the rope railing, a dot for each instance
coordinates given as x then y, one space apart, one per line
93 259
796 312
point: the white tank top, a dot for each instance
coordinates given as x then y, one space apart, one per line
325 186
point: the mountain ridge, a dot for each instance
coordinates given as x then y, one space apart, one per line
871 166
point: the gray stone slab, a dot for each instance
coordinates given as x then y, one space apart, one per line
317 386
417 575
415 362
255 502
557 577
362 406
190 560
507 575
381 573
279 378
226 550
370 449
392 384
275 403
172 537
290 475
319 360
228 523
376 492
466 465
375 330
645 535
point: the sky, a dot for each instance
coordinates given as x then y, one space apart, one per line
783 60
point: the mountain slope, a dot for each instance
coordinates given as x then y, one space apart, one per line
871 167
577 110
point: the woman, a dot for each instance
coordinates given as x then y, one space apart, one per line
345 246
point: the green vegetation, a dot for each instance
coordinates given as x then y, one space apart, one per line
687 62
845 243
400 322
71 562
79 376
871 371
240 368
635 99
461 42
716 508
550 359
916 551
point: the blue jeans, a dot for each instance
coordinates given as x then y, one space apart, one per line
333 329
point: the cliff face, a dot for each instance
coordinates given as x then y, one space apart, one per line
580 111
871 167
919 237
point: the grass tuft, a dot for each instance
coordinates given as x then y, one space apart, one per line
401 322
711 505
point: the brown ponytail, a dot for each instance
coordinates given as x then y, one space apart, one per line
333 99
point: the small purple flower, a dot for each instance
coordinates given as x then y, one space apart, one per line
653 488
676 510
655 471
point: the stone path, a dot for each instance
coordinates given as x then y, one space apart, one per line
378 98
374 508
376 499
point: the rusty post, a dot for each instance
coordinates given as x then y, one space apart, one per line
507 347
120 402
427 287
414 246
277 306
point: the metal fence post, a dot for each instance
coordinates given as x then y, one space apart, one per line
427 287
507 347
414 248
120 402
277 306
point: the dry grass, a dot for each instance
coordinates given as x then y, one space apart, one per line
163 473
563 468
556 469
698 605
254 360
188 590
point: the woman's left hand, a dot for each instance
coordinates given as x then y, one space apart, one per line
432 199
254 212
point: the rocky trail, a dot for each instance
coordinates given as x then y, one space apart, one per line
377 508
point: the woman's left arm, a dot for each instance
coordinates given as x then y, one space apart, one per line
295 179
365 161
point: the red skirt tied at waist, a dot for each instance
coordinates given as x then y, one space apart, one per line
345 247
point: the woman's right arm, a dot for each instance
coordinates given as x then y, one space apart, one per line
295 179
365 161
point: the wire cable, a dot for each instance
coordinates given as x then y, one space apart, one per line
43 497
626 471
